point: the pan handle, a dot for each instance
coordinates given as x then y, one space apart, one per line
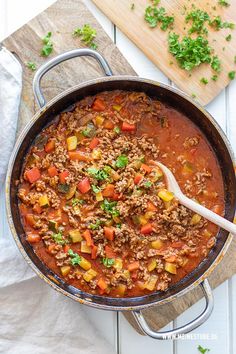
59 59
173 334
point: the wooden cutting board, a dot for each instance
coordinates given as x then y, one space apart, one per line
61 19
153 42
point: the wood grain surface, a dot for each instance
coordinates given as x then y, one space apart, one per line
153 41
61 19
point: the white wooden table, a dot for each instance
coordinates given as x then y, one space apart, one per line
221 326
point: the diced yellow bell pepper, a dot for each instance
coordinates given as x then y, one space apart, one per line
43 201
71 192
118 264
72 142
152 265
157 244
170 268
151 282
165 195
85 248
89 275
206 233
109 222
75 235
115 176
96 154
196 218
86 265
187 168
65 270
121 288
99 196
99 121
116 219
141 285
149 214
156 174
142 220
126 274
117 107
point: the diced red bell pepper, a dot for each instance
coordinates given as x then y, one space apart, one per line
151 206
78 156
98 105
108 191
109 252
102 284
127 127
94 142
29 219
133 266
84 186
33 175
109 232
50 146
146 168
94 252
108 125
66 248
117 196
52 171
146 229
33 238
138 178
88 237
62 176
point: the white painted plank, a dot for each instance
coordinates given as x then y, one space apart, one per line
2 19
232 308
133 343
217 108
101 18
232 114
20 12
216 327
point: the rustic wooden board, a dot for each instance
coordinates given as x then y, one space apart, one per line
153 42
61 19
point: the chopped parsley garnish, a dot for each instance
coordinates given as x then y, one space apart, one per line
116 130
100 175
76 201
198 18
110 207
95 189
228 38
216 64
190 52
121 161
194 95
31 65
96 225
75 258
132 6
58 238
231 75
118 225
108 262
224 3
204 81
202 350
87 34
48 45
89 131
153 16
218 24
214 77
147 184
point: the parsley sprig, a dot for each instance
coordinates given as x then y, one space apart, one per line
154 16
110 207
75 258
48 45
108 262
87 34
